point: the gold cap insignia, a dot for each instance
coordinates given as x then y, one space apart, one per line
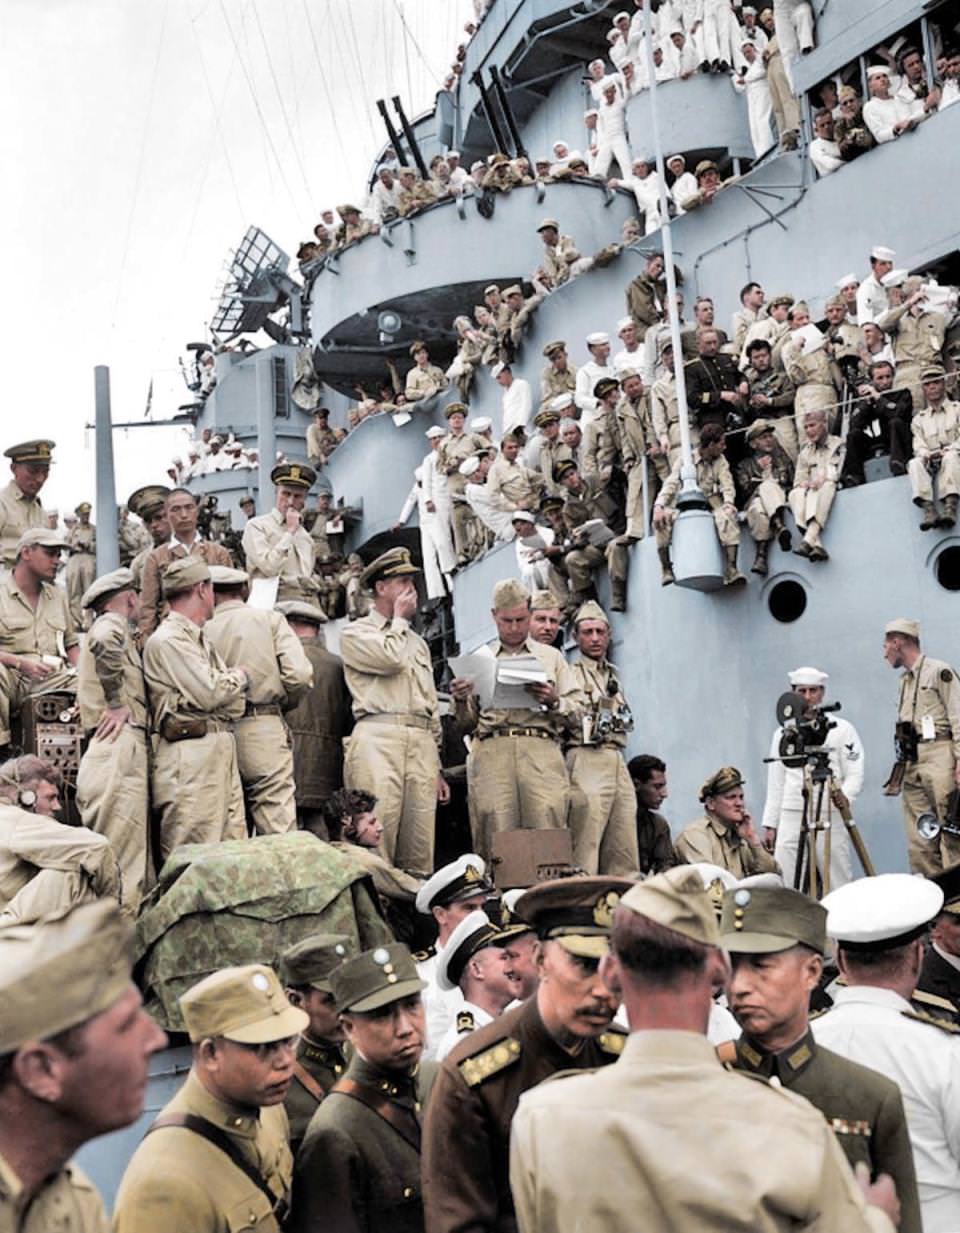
294 472
604 909
472 874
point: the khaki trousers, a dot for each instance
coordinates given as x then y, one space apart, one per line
112 797
399 766
197 791
948 477
53 892
926 785
605 835
515 783
786 109
656 472
265 763
811 509
765 502
16 689
728 530
785 430
581 562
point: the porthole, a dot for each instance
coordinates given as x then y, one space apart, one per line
947 568
787 601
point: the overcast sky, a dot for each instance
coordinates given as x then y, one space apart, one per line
140 138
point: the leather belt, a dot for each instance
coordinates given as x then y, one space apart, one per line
261 708
537 732
398 720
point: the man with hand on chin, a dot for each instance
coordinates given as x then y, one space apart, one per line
725 835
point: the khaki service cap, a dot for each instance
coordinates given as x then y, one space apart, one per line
553 347
184 573
312 960
148 500
42 537
903 625
246 1004
225 576
761 920
394 563
40 452
576 912
454 408
676 899
724 780
108 584
376 978
301 610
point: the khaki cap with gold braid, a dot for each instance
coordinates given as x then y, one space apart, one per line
394 563
31 451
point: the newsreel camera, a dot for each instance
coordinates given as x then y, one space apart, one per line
804 733
929 826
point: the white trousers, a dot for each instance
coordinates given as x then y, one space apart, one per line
793 22
616 148
788 842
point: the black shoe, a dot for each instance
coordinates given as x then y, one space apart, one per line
785 539
803 549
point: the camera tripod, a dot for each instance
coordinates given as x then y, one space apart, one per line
820 789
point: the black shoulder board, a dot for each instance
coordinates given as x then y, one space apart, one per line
476 1070
465 1021
946 675
931 1021
421 956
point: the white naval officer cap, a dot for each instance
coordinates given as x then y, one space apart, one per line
808 676
464 878
474 933
883 912
879 253
469 466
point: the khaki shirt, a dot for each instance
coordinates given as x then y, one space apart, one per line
109 672
930 688
917 338
601 444
549 453
264 644
153 607
708 839
388 669
177 1180
512 486
936 430
554 383
18 513
664 410
453 450
186 677
561 720
67 1202
321 442
83 539
600 690
635 426
714 479
557 260
46 630
30 842
815 368
274 552
819 461
422 382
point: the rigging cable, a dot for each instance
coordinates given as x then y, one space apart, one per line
283 111
323 81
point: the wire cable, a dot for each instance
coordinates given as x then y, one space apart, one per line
323 81
283 112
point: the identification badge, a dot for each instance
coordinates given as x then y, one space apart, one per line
928 729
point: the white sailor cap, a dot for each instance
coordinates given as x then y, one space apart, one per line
613 34
479 165
847 281
469 466
599 61
647 159
453 154
620 16
672 158
474 933
497 369
808 676
748 8
464 878
435 431
623 323
481 424
561 402
559 145
522 515
881 913
596 339
896 278
879 253
878 70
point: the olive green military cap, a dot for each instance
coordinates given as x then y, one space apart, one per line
509 593
395 563
184 573
225 576
724 780
106 585
62 971
544 601
293 474
148 500
376 978
246 1004
676 899
302 611
454 408
576 912
605 386
31 451
550 504
761 920
43 537
311 961
563 468
905 626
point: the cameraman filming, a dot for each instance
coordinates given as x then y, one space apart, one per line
783 811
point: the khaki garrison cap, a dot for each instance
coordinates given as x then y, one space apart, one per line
394 563
376 978
43 537
724 780
31 451
761 920
184 573
224 576
716 880
757 429
576 912
903 625
509 593
934 373
106 585
544 601
312 960
61 972
300 610
590 611
677 900
293 474
246 1004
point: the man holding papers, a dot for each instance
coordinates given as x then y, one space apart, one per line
519 701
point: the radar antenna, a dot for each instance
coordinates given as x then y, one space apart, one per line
255 284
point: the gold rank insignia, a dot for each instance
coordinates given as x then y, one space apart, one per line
612 1042
465 1021
294 472
472 874
932 1020
490 1062
604 909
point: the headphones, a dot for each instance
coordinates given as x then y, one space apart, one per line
26 797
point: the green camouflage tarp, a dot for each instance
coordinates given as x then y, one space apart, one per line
245 901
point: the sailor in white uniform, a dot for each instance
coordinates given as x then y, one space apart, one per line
474 968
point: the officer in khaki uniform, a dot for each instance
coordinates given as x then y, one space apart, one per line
725 835
815 480
81 568
455 448
72 973
305 970
549 449
150 505
424 379
358 1170
38 642
559 377
216 1159
777 939
278 676
20 508
917 336
601 437
644 459
585 498
936 451
112 783
605 833
566 1025
394 749
667 1129
194 700
928 732
278 545
764 477
516 775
